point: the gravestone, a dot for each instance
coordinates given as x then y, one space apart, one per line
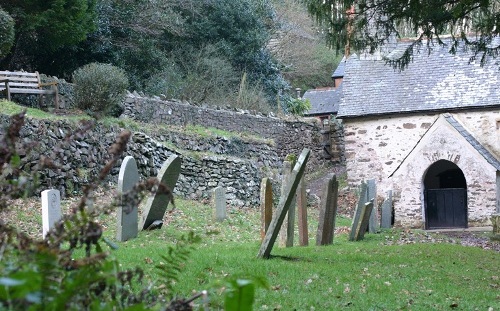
364 218
372 195
495 221
266 205
283 205
51 209
157 204
302 213
127 222
357 212
287 230
327 213
386 217
220 203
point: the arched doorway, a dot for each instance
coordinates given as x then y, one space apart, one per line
445 196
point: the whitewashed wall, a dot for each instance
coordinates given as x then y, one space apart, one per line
395 151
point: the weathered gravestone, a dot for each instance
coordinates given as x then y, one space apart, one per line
386 217
328 212
127 222
364 218
51 209
495 221
283 206
357 212
266 205
157 204
287 230
220 203
372 195
302 213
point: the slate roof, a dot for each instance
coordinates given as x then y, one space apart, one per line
477 145
323 101
436 82
339 71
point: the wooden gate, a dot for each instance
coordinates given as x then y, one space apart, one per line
446 208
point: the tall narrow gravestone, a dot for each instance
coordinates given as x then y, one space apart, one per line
302 213
327 213
51 209
372 195
283 206
386 216
266 205
127 222
220 203
357 212
287 230
156 205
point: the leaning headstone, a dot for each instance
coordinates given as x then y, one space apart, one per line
327 213
287 230
220 203
127 222
495 221
302 213
283 206
266 205
386 216
51 209
372 195
157 204
357 212
360 230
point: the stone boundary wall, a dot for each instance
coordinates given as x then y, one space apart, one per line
290 136
82 159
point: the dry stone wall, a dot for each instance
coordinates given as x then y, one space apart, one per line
81 160
290 136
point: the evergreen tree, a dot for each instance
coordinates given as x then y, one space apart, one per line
368 24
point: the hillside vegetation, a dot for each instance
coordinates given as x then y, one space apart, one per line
244 53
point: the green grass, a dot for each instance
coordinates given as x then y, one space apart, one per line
365 275
10 108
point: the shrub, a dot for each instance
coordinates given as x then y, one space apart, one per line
6 32
99 88
298 106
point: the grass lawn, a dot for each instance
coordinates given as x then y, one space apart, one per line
373 274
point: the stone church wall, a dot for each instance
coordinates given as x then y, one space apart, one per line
392 151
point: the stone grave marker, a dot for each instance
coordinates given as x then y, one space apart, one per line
364 218
287 230
495 221
328 212
302 213
266 205
51 209
357 212
372 195
283 205
127 222
157 204
386 216
219 196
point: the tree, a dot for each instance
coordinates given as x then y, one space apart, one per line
6 32
368 24
43 26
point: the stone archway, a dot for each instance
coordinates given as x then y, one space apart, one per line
445 196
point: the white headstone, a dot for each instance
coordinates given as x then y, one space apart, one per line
128 217
51 209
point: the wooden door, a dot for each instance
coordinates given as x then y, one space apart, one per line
446 208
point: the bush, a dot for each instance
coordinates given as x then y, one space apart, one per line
99 88
6 32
